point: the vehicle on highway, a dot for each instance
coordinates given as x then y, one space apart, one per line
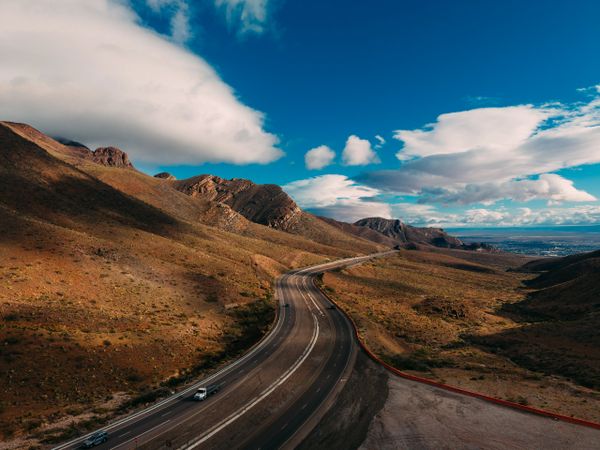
203 392
99 437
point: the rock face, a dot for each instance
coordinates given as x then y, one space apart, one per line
165 176
111 157
402 233
266 204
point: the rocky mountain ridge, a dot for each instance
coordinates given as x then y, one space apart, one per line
264 204
403 233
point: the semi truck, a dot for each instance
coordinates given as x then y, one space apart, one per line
203 392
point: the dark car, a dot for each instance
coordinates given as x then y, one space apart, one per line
97 438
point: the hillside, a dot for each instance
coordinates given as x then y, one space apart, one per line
560 321
402 233
263 204
463 319
118 282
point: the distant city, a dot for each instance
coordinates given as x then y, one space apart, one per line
546 241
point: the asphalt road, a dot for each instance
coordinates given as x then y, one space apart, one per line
268 396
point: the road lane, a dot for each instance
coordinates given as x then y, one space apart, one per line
289 381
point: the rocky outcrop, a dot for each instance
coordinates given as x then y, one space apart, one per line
266 204
407 234
111 157
363 232
165 176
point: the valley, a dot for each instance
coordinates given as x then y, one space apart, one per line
119 290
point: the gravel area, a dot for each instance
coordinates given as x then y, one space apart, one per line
418 416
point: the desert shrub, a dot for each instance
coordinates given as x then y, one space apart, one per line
420 360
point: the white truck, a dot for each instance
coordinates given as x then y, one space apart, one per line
203 392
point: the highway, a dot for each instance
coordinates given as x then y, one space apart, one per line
271 396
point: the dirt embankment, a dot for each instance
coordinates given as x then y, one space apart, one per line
439 315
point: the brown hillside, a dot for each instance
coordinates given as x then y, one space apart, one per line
111 283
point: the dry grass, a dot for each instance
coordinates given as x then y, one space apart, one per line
113 283
425 313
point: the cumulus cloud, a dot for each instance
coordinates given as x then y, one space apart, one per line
247 16
552 187
427 215
454 159
338 197
358 152
319 157
90 72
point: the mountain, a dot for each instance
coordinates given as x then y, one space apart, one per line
112 274
111 157
265 204
165 176
362 231
403 234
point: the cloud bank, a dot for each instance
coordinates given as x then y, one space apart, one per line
338 197
488 154
428 215
88 71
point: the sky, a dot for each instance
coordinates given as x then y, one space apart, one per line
469 113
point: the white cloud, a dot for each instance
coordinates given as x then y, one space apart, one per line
487 154
319 157
338 197
551 187
180 20
248 16
380 141
358 152
90 72
500 217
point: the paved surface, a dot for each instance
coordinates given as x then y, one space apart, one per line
419 416
268 395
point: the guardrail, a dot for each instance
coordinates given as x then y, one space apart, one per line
497 401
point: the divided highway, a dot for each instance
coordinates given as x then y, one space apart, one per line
268 396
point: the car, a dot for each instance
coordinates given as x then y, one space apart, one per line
330 306
203 392
99 437
286 305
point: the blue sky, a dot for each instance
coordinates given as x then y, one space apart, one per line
489 110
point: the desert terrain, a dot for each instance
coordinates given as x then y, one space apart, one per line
473 321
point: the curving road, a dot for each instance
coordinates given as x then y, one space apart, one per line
272 396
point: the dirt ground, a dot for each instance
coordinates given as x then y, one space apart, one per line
425 313
418 416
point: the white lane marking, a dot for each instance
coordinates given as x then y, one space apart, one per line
282 379
279 290
140 435
166 414
305 285
124 434
144 412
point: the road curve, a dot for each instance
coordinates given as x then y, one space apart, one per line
267 396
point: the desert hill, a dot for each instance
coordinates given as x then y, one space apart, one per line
111 275
403 233
560 320
264 204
